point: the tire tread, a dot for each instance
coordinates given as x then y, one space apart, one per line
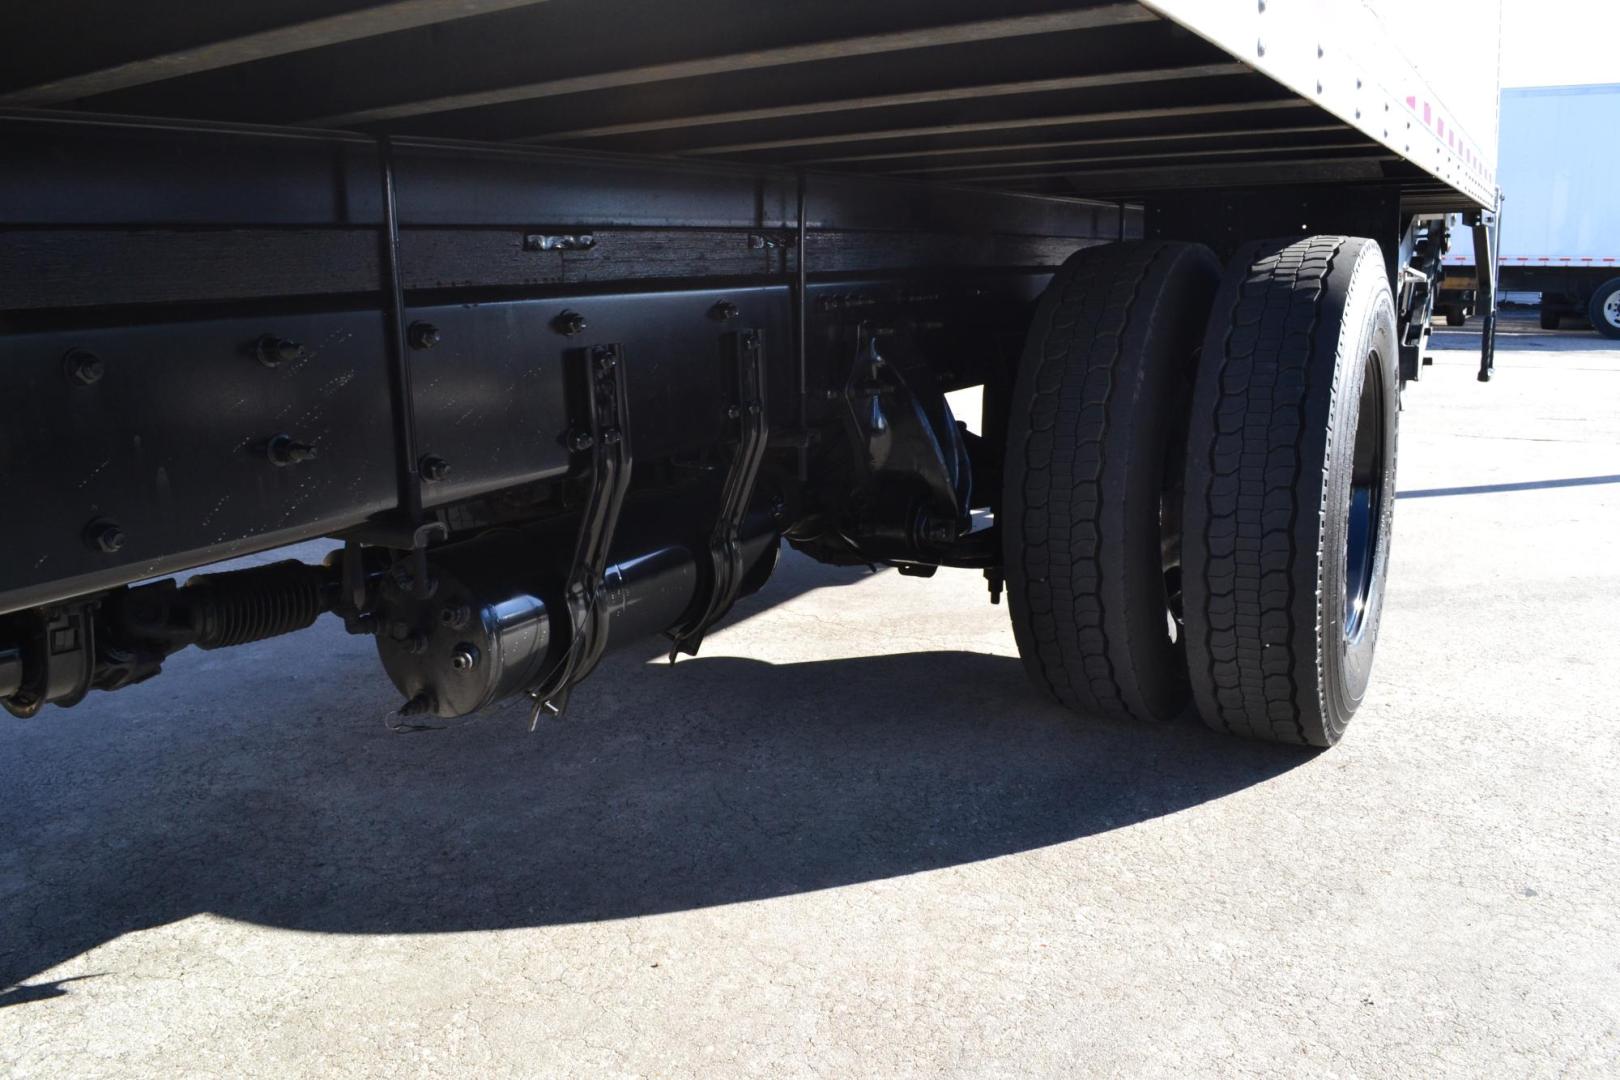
1252 607
1066 541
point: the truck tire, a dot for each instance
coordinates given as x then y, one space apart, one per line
1290 488
1604 308
1455 317
1092 470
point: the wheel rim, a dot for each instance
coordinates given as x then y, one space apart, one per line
1366 501
1611 309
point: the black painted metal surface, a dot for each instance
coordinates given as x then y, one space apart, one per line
232 295
171 445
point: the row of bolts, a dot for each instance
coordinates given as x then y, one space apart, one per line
85 368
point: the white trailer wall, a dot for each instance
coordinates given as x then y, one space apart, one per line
1560 177
1419 76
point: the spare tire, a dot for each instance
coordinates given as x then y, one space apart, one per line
1093 469
1290 488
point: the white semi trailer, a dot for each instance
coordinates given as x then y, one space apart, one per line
1561 209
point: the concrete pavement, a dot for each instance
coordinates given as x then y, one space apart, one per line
850 839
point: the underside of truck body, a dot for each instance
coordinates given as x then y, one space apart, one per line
562 316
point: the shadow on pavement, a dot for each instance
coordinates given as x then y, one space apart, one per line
715 781
1522 485
23 995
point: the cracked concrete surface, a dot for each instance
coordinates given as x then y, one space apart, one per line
849 839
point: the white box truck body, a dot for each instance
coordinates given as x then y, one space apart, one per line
1561 206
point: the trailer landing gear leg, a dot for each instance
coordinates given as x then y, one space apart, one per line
1487 227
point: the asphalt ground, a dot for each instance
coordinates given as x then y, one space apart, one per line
850 839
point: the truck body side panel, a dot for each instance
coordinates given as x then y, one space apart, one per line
1349 59
1561 202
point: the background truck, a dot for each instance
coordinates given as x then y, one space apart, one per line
562 316
1561 224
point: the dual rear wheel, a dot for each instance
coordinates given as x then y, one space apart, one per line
1200 480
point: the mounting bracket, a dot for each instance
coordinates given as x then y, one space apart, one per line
725 542
608 443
